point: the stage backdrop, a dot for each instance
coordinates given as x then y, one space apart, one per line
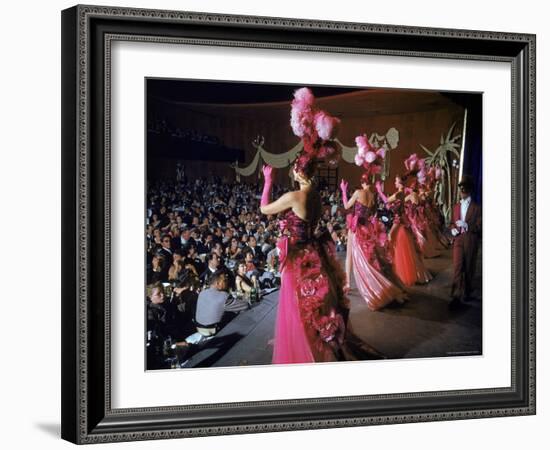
420 117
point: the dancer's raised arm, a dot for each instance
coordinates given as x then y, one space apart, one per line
286 201
268 184
381 194
348 203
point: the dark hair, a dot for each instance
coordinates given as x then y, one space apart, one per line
159 255
186 278
217 275
365 178
210 256
244 277
305 164
466 184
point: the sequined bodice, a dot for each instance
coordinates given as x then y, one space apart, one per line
296 228
397 207
362 211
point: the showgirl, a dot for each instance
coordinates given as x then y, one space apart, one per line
312 319
367 238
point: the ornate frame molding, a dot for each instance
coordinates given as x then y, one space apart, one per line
86 421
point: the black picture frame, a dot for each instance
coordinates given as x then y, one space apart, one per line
87 416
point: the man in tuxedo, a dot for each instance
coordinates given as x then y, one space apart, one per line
249 229
466 231
192 257
213 264
167 253
185 238
256 250
195 235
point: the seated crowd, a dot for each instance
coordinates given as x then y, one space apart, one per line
210 255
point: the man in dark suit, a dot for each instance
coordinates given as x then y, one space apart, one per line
201 248
185 238
256 250
213 264
191 257
466 230
167 253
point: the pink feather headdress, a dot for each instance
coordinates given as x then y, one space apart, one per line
417 166
368 157
433 174
316 128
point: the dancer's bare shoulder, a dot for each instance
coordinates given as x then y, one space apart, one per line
284 202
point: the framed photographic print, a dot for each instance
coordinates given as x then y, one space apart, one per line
268 222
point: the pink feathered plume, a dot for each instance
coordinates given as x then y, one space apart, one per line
301 113
325 125
421 176
370 157
304 96
362 143
411 162
316 128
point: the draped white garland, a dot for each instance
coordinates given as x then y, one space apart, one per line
280 160
250 169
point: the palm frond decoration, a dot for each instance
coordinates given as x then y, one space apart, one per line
442 157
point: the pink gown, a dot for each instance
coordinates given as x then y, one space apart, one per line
312 317
367 240
408 263
436 224
425 238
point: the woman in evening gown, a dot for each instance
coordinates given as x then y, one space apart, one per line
312 319
366 249
426 240
433 217
408 264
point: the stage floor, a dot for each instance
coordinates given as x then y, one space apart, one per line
422 327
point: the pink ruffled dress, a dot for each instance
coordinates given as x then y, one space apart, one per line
367 245
425 238
312 317
408 263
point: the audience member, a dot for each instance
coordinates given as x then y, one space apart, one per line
213 302
206 237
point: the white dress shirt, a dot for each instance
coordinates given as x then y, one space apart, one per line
464 204
461 223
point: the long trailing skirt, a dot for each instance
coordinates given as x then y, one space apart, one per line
375 288
408 264
312 318
427 241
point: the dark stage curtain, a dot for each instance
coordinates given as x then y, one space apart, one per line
473 161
